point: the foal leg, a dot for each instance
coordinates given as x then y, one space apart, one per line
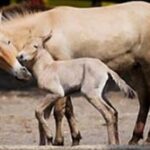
69 113
59 112
107 112
48 102
65 107
42 137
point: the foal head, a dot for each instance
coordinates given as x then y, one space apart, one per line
32 46
8 60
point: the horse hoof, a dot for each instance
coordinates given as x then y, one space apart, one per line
147 141
133 142
76 140
75 143
49 141
59 142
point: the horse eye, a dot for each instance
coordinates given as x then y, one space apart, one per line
35 46
8 42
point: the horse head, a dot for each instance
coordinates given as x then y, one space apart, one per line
8 60
31 47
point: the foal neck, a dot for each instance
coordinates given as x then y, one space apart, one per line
42 60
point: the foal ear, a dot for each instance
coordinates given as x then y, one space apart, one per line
46 37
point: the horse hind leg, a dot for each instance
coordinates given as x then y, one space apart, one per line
143 94
69 113
140 123
107 112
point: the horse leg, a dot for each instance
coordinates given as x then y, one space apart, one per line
44 130
59 111
107 112
69 113
42 137
147 141
140 123
144 107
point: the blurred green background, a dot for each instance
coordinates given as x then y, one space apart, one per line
52 3
79 3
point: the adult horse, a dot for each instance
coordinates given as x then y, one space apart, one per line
8 61
118 35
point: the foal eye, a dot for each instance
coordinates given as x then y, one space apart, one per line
35 46
8 42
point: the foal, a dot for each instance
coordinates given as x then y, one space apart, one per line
86 76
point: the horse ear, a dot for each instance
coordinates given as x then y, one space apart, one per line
46 37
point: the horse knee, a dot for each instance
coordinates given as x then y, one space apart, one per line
38 113
68 112
111 117
58 113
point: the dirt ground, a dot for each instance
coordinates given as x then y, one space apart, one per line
18 125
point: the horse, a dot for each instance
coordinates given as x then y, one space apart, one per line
9 62
113 34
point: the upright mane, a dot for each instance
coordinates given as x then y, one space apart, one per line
16 16
15 12
23 8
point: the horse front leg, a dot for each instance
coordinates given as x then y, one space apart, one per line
59 111
69 113
44 129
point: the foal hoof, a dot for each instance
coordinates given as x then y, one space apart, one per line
49 141
76 140
59 142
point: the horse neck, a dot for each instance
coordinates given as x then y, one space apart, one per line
42 60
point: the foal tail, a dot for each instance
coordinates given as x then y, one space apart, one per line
123 86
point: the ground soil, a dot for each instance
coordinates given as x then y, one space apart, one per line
18 125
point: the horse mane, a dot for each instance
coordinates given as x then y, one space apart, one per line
8 17
22 10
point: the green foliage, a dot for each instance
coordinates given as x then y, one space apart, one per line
78 3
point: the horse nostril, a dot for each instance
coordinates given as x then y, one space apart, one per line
21 57
24 69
